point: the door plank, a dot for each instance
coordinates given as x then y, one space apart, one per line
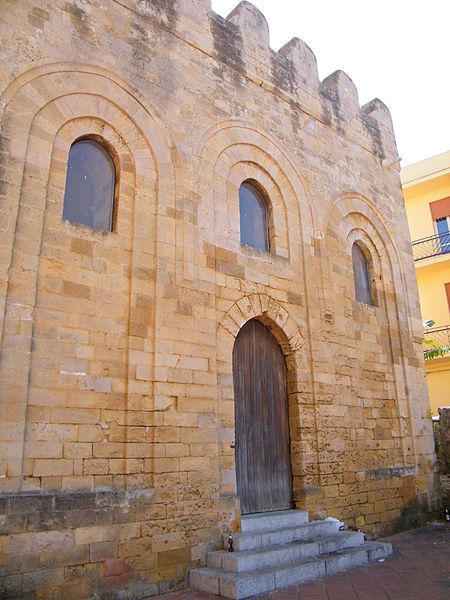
263 465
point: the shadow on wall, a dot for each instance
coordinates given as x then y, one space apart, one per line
443 453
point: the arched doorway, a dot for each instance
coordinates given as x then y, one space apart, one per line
263 464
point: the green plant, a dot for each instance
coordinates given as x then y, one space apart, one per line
436 349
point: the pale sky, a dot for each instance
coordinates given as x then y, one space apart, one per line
395 50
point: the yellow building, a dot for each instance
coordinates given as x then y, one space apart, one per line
426 189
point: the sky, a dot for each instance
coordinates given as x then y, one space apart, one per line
395 50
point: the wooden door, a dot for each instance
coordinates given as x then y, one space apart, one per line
263 465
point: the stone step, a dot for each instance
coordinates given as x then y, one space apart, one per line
271 521
238 585
272 556
307 531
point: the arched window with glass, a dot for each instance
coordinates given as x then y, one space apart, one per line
254 219
361 276
90 182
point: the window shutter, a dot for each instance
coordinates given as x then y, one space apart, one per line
440 208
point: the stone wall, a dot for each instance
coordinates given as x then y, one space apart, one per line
444 440
69 539
116 387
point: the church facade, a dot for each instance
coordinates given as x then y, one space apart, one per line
207 293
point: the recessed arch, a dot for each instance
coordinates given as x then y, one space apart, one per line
233 151
353 218
290 336
338 222
55 111
37 88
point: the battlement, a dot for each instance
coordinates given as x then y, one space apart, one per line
242 42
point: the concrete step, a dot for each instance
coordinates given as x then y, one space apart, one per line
271 521
274 555
286 535
238 585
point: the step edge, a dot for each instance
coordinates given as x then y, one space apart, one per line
309 525
254 523
259 546
274 547
264 555
301 527
300 562
273 513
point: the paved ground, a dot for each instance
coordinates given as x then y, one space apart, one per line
418 570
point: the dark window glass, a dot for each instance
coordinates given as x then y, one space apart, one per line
363 289
88 198
444 234
253 217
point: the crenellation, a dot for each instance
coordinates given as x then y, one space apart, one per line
304 62
253 27
377 123
346 97
378 110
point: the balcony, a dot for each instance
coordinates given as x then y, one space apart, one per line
436 341
435 245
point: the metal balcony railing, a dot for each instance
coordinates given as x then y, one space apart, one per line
431 246
436 336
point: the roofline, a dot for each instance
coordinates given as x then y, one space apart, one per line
426 169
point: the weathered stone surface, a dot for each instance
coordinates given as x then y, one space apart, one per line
116 383
444 440
306 554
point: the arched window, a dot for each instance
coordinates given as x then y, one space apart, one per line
90 180
361 275
253 217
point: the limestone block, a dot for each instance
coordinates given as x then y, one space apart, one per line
379 111
378 124
304 62
444 440
253 26
346 93
195 9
